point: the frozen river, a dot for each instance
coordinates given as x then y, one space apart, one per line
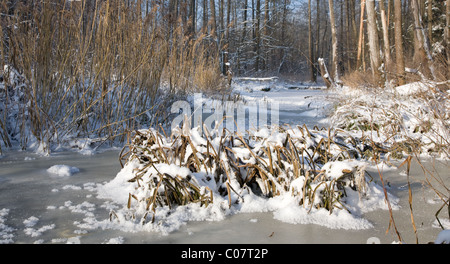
37 206
58 204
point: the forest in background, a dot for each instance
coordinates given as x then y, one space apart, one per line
102 67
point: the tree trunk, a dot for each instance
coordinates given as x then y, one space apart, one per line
354 35
422 37
213 19
266 35
334 44
447 37
387 49
205 17
399 42
192 11
372 31
243 40
430 21
257 34
341 42
325 74
221 19
244 31
317 29
228 21
310 46
361 35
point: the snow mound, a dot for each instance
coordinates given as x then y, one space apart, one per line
63 170
412 88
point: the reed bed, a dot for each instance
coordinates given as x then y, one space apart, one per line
193 166
411 122
92 69
408 120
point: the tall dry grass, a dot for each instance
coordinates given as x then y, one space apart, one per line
93 69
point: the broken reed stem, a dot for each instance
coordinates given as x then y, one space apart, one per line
391 216
408 166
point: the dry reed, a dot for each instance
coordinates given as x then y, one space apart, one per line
93 69
234 165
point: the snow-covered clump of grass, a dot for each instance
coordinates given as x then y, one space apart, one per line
412 118
300 175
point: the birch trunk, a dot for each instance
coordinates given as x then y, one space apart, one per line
334 43
372 31
387 50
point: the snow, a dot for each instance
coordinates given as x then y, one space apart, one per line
443 237
444 222
31 221
63 170
33 232
337 220
406 114
115 240
6 232
412 88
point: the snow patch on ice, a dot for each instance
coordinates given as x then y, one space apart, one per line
115 240
6 236
33 232
31 221
63 170
445 223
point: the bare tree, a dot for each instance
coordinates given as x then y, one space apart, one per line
420 34
447 36
310 45
257 30
334 43
430 20
387 46
192 17
317 28
212 7
266 34
375 62
361 35
399 60
205 16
